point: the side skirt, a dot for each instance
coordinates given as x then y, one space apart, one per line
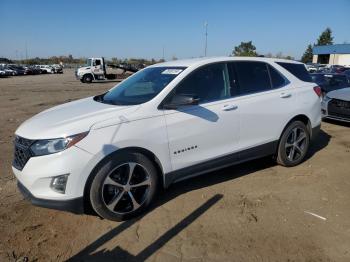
221 162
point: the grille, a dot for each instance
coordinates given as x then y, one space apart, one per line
339 108
22 152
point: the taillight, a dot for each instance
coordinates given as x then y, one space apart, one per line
318 91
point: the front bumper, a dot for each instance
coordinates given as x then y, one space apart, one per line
35 178
326 114
75 206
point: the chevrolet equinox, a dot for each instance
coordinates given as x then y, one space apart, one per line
166 123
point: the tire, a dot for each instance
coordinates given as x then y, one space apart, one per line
293 145
116 196
87 78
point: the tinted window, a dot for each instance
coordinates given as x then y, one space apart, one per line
141 87
277 79
252 77
298 70
207 83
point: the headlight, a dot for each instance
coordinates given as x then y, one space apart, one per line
51 146
326 98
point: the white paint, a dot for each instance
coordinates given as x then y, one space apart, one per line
216 128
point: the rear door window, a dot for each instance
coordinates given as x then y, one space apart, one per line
277 79
248 77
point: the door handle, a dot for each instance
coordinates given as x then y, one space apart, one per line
229 107
285 95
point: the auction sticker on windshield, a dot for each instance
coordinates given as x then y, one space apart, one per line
172 71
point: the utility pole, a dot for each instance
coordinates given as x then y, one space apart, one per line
26 53
206 38
163 52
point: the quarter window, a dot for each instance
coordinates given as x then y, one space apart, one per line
298 70
208 83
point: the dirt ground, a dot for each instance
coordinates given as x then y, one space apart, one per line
256 211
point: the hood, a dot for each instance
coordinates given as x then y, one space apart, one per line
71 118
342 94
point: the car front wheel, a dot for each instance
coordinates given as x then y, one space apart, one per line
124 186
293 145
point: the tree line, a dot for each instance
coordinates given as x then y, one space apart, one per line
70 60
249 49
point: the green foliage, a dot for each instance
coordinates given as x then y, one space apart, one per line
70 60
307 56
53 60
279 55
326 37
245 49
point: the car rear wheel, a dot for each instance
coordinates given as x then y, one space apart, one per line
293 145
124 186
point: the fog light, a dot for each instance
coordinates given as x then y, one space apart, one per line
58 183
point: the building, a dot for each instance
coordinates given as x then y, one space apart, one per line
332 54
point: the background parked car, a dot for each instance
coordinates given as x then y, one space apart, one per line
46 69
335 69
2 73
9 71
28 70
330 81
314 68
18 69
347 74
35 70
336 105
58 69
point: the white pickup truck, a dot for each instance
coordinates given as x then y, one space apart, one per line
96 69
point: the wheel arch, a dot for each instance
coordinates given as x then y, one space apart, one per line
301 117
150 155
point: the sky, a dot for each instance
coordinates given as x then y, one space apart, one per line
142 29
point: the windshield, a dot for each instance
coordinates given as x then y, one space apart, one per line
330 82
88 62
142 86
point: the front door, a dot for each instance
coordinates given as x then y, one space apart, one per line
203 132
97 67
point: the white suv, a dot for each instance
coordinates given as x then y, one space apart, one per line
167 122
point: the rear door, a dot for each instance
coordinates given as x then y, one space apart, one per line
265 102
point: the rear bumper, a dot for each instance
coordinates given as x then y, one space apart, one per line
75 206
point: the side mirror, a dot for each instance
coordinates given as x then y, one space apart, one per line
181 100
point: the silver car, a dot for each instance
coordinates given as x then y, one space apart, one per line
336 105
